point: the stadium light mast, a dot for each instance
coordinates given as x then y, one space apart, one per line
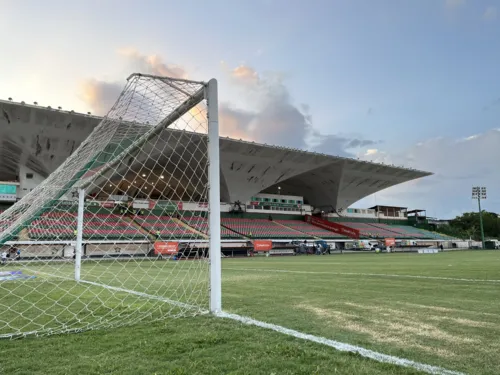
479 192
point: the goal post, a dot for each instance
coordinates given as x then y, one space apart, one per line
214 192
79 233
127 229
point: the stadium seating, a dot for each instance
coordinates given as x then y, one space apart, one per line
4 223
201 224
398 231
62 225
421 233
261 228
310 229
410 232
166 226
379 230
368 230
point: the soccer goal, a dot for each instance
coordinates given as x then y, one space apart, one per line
127 229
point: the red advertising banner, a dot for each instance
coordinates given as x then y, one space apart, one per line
390 242
152 204
166 248
179 206
262 245
108 204
333 227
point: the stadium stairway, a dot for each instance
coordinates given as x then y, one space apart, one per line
167 227
136 225
24 235
188 227
246 237
239 234
200 224
298 230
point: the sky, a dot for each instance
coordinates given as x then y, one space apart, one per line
404 82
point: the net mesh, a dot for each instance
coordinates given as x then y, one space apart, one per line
144 173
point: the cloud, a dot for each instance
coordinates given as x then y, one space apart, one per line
490 13
332 144
234 123
152 64
471 137
275 119
100 95
458 164
379 156
452 4
356 143
492 105
270 116
245 75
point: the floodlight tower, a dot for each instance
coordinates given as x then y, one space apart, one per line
479 192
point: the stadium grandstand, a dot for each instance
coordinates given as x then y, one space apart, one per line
267 192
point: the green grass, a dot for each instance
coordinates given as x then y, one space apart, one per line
443 322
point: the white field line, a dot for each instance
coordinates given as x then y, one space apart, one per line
363 274
379 357
343 347
140 294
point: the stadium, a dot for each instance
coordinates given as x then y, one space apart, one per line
116 221
264 180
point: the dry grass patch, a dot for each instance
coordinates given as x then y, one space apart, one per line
448 309
396 331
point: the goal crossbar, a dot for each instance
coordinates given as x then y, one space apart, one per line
177 113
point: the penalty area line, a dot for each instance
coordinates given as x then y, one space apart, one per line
364 274
343 347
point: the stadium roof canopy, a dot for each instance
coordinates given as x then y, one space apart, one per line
42 138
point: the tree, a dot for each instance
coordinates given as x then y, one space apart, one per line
468 224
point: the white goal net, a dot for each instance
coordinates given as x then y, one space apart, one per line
110 238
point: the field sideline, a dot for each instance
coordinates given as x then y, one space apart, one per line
439 309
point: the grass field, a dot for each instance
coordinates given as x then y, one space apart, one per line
440 309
